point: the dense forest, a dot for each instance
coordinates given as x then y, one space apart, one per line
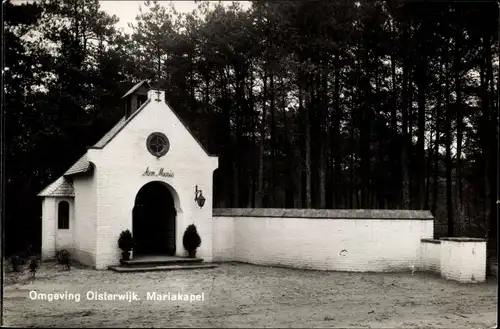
308 104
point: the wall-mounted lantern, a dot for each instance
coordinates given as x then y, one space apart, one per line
198 197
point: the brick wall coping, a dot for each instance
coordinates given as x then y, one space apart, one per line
463 239
436 241
324 213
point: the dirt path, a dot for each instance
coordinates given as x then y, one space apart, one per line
239 295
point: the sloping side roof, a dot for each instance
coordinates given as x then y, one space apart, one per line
117 128
62 187
83 165
188 130
324 213
110 134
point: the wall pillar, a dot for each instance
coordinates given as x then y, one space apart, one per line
49 225
463 259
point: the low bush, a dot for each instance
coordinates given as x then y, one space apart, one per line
16 261
21 258
33 266
28 253
64 258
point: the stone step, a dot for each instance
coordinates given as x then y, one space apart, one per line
150 261
148 265
171 267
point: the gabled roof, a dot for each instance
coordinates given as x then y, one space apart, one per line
110 134
83 165
189 130
124 121
136 87
62 187
117 128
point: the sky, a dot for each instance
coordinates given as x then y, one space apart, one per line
126 11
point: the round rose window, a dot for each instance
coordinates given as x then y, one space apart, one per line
158 144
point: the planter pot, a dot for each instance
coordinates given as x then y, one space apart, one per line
126 255
192 254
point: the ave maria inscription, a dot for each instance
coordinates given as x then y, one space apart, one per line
160 173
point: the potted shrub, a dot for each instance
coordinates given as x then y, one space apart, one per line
126 244
191 240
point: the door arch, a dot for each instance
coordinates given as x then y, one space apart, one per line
154 220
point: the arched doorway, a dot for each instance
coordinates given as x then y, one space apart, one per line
153 221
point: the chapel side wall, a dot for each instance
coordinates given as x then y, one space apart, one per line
49 225
342 244
85 214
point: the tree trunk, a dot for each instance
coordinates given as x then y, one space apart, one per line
307 147
458 89
322 141
352 184
405 180
365 134
236 149
260 184
226 131
378 186
272 109
289 190
485 138
421 81
252 179
336 143
448 161
437 143
394 151
491 164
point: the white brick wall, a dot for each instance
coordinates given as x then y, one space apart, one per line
223 239
324 244
64 237
85 211
463 261
54 239
430 255
49 226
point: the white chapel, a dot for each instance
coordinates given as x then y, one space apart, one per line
148 174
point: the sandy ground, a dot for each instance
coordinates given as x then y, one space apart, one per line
240 295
